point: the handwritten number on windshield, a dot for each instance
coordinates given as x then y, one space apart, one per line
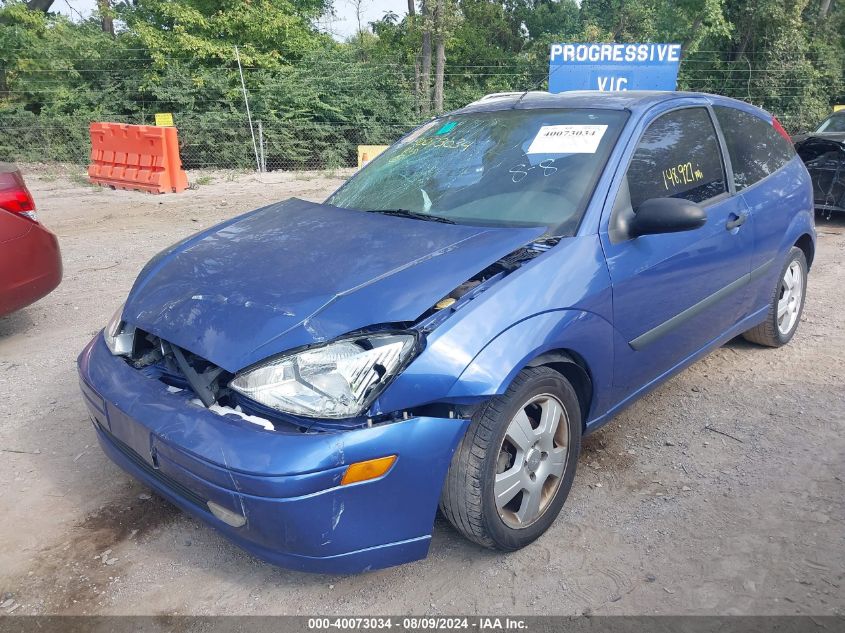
520 172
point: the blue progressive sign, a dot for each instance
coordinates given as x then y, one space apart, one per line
610 67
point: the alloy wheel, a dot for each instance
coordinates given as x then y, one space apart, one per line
531 461
791 296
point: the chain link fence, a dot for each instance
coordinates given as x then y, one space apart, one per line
215 133
296 145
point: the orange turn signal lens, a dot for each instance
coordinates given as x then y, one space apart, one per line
370 469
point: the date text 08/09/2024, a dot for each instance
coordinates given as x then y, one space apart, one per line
421 623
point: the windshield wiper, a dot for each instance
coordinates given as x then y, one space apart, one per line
406 213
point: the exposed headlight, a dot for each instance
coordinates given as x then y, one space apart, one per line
119 337
338 380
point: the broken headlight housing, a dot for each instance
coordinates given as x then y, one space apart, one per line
119 337
337 380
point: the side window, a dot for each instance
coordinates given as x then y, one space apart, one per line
836 123
678 156
754 145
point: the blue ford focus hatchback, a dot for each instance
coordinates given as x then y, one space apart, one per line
314 380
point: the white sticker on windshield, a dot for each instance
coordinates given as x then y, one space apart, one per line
567 139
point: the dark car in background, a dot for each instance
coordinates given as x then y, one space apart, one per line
30 261
823 152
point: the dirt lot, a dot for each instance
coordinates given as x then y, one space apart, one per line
666 515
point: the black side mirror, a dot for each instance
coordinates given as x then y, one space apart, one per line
666 215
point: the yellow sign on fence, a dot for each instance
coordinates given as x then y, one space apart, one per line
164 119
366 153
837 108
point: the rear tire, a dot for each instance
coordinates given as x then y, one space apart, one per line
786 305
521 447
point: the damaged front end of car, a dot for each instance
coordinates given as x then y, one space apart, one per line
825 160
316 388
255 406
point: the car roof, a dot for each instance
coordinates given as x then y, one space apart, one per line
631 100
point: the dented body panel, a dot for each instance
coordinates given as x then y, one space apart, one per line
477 351
298 273
285 484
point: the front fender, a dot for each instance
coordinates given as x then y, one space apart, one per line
494 367
558 300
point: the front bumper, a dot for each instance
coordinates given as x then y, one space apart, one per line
286 484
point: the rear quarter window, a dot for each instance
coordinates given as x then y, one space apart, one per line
756 149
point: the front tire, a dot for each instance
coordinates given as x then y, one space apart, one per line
513 470
786 305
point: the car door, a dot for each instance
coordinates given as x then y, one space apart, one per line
674 293
771 180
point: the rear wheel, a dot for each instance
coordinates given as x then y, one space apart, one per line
514 468
786 304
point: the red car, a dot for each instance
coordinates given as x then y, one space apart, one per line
30 262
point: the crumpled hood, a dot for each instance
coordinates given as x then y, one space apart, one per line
297 273
816 145
838 137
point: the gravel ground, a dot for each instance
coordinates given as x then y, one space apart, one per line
667 516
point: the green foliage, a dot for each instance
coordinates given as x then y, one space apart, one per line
317 98
270 32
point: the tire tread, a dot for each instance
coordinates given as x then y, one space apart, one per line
461 501
766 333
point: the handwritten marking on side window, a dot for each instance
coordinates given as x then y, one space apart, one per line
682 174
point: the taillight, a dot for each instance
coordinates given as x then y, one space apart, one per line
779 128
14 196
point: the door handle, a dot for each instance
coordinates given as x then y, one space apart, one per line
735 221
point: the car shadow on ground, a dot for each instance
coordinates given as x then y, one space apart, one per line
15 323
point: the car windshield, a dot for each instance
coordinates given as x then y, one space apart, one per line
836 123
505 168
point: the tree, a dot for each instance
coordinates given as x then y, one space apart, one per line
425 64
318 98
440 55
411 20
824 9
359 7
621 20
106 16
269 33
39 5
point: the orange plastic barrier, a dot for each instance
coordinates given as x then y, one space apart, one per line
139 157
